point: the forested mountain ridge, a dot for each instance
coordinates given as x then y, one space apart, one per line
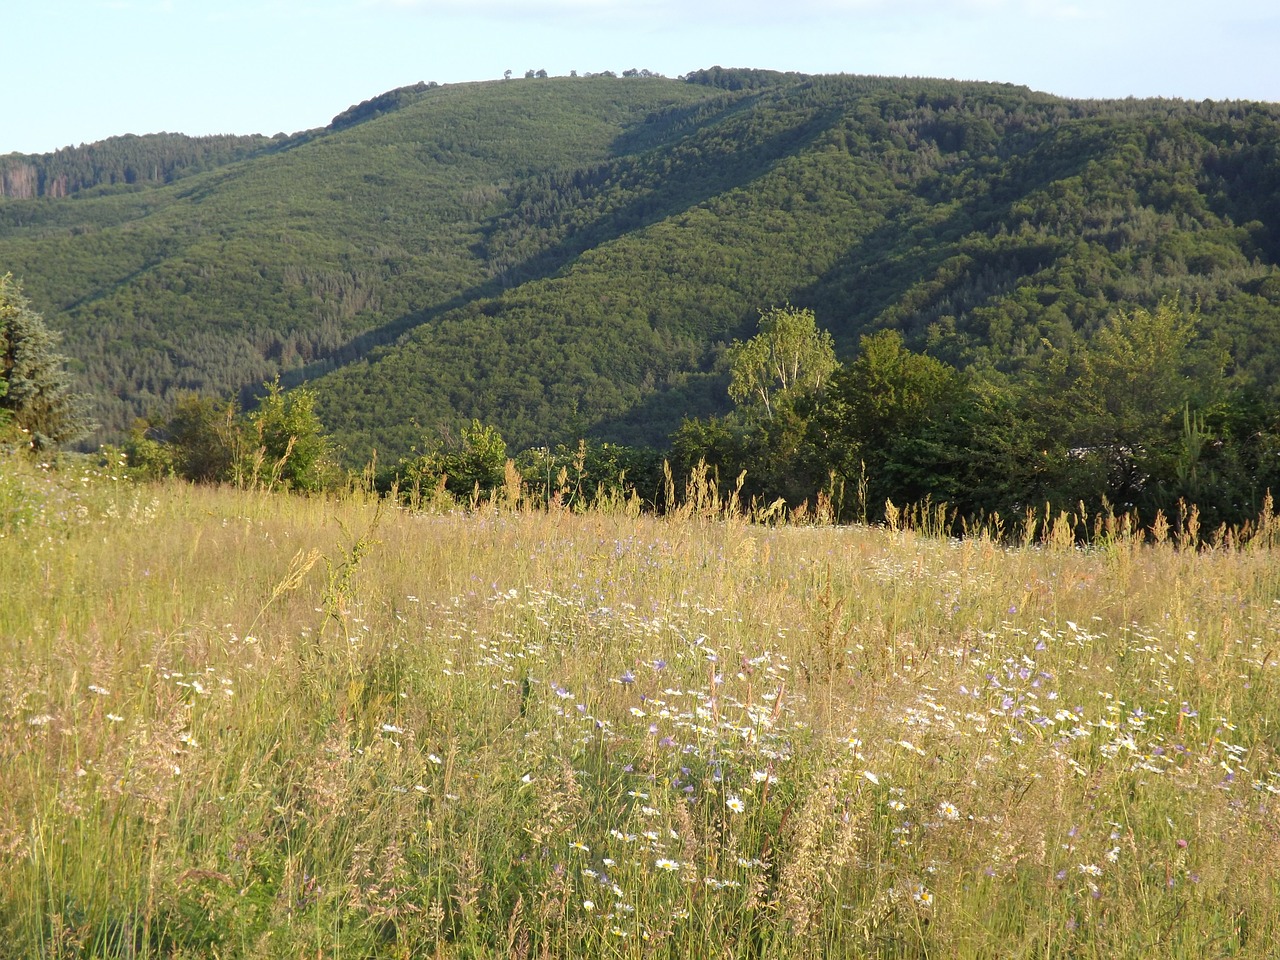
126 161
220 280
568 257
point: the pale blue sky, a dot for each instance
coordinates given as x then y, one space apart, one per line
83 70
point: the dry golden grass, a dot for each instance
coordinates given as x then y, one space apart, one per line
235 724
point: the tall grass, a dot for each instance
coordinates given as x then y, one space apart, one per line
234 724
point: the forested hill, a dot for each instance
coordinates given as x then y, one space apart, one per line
569 256
120 162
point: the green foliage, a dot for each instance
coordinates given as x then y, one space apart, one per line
147 456
1225 459
1138 418
307 254
470 467
17 506
279 444
383 103
722 442
592 474
785 362
287 444
1110 412
574 258
900 418
36 390
200 441
1126 386
765 449
739 78
570 257
979 221
119 163
889 392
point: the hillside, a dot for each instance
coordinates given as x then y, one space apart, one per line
120 163
219 280
563 257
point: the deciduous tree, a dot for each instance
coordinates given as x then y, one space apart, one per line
787 358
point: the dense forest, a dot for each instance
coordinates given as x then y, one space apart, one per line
565 258
120 162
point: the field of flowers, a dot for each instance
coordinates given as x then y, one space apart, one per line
235 724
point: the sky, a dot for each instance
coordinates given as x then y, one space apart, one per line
83 70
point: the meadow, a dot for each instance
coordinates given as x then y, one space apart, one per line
243 724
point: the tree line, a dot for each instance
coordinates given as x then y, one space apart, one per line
1141 420
118 162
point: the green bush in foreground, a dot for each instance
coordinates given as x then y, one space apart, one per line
241 725
279 445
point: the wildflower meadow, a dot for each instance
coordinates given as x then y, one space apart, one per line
243 724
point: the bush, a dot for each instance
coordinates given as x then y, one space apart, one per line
288 442
473 467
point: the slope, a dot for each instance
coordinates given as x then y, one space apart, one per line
982 220
568 257
304 252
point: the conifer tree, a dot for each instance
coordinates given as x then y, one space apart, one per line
36 390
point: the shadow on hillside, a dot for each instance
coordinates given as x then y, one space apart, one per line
881 271
668 126
906 257
910 261
699 394
696 179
